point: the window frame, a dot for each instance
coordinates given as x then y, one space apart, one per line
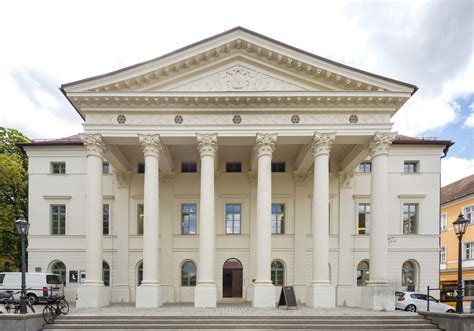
52 266
140 224
445 217
469 215
141 168
283 222
365 273
182 221
106 273
465 250
278 167
61 171
418 217
58 213
274 273
189 167
366 227
232 167
409 163
233 219
443 253
188 282
415 274
108 219
364 166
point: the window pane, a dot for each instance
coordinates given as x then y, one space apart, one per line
105 219
140 217
278 218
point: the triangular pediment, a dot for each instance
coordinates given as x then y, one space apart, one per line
236 61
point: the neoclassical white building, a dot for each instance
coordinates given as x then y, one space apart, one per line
228 168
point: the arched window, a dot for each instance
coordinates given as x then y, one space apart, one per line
139 273
188 274
106 273
59 268
409 275
278 273
362 273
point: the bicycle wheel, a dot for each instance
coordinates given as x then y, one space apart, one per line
63 306
48 314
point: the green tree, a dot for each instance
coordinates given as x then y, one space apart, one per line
13 193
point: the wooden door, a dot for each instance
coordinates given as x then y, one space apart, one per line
237 283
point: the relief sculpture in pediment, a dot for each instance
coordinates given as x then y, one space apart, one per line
239 78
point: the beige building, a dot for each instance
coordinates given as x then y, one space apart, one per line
229 168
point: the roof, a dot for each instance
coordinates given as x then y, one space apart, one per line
239 28
458 189
71 140
399 140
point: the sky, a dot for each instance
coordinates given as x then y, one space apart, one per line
427 43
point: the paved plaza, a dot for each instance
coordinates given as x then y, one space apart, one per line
244 309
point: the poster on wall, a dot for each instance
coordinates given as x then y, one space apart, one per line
72 276
82 276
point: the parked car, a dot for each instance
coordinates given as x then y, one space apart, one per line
38 284
414 301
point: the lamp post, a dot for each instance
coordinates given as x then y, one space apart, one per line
22 227
460 226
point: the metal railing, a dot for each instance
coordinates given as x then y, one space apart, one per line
456 297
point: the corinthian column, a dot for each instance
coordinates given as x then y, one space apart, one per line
149 293
377 294
205 291
264 291
93 293
320 292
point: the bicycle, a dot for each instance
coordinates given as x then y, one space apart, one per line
55 306
13 305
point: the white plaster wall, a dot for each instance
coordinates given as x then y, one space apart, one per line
293 248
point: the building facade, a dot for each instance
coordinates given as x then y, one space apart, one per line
457 198
229 168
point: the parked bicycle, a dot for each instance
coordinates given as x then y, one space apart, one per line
56 305
12 305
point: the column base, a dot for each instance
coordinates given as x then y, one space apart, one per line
92 296
321 296
378 297
149 296
121 293
205 295
264 295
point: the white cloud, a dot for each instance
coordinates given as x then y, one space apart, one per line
455 168
470 119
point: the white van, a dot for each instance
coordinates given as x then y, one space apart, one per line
38 284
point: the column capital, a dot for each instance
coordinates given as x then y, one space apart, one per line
322 143
123 178
265 143
207 144
151 144
380 143
93 143
345 179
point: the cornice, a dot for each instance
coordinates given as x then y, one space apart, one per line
167 100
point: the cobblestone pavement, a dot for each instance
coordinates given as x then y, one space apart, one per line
243 309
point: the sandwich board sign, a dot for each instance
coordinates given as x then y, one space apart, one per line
287 297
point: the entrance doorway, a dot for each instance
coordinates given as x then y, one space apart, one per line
232 279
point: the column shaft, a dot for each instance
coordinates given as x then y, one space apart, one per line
205 292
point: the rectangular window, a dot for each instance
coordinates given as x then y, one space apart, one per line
442 255
140 217
410 218
58 168
469 284
188 218
105 168
141 168
105 218
188 167
232 218
365 167
469 251
443 222
410 167
58 219
233 167
364 218
278 167
278 218
469 213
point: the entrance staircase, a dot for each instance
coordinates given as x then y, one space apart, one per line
108 323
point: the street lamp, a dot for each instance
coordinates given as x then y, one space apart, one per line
22 227
460 226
